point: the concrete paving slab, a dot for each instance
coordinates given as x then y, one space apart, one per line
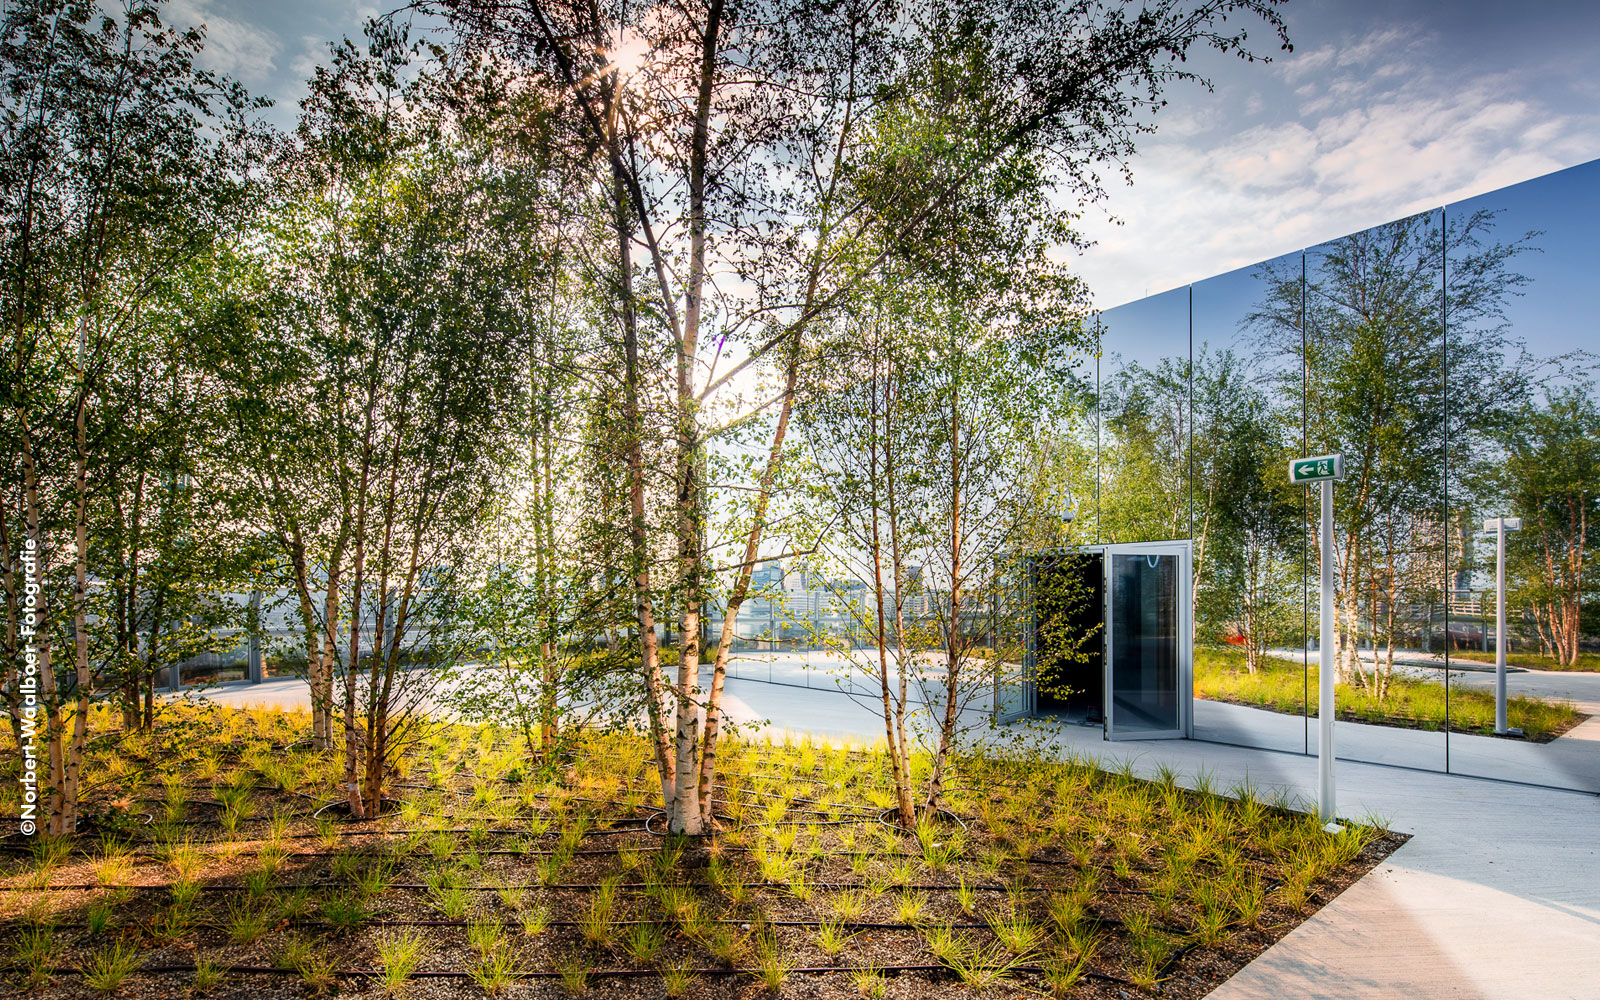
1582 688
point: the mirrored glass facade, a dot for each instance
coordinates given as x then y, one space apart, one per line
1452 358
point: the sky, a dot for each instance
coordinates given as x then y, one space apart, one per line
1382 110
1385 108
1547 321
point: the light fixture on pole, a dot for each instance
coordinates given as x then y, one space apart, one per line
1324 469
1498 526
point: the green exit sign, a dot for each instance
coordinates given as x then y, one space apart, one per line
1316 469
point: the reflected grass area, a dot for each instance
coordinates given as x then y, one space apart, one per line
1586 663
1281 686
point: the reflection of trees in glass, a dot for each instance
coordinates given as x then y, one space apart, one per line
1246 519
1060 472
1373 357
1146 468
1552 480
1068 623
1245 522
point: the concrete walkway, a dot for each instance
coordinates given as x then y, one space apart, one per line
1497 894
1579 687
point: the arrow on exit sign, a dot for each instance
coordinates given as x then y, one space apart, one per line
1316 469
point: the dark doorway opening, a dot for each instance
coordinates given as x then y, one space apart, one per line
1069 637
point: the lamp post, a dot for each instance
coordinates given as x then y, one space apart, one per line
1324 470
1499 526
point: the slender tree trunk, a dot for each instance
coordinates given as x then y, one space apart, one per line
1354 672
685 816
352 735
128 611
122 610
384 648
328 649
1572 589
905 811
308 628
549 650
1200 554
741 587
947 728
1391 595
152 652
319 660
893 709
84 684
1541 627
10 579
1348 615
902 661
381 745
639 543
42 631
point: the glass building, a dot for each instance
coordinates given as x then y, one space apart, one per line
1451 356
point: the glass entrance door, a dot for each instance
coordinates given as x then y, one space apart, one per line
1149 641
1014 691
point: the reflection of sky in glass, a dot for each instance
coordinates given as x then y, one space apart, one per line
1146 330
1222 303
1554 314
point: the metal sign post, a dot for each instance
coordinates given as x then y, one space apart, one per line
1324 469
1499 526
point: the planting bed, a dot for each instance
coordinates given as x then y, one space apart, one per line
497 875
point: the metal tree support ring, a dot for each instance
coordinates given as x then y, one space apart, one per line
662 812
883 817
386 807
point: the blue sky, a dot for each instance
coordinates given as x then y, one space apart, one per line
1555 216
1383 109
1386 107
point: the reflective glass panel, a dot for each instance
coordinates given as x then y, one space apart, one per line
1374 392
1144 646
1250 545
1144 420
1524 437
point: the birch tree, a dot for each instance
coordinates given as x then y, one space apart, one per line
729 132
1374 351
122 162
857 418
1552 480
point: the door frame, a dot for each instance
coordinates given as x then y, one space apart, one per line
1183 549
1026 704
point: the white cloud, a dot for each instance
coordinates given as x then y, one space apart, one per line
1309 62
237 48
313 51
1370 134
